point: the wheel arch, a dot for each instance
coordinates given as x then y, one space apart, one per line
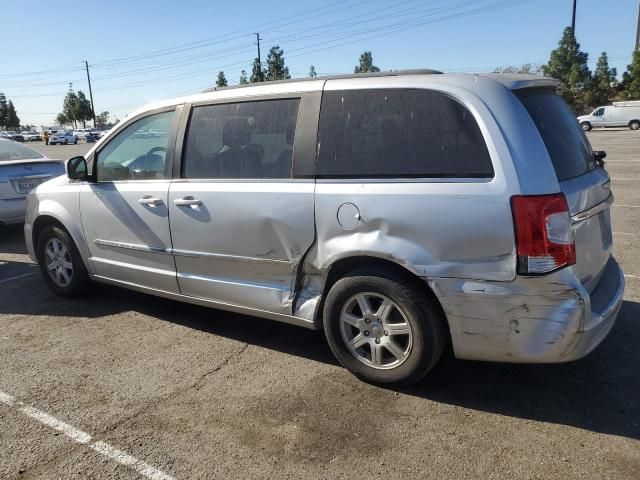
47 219
635 120
345 265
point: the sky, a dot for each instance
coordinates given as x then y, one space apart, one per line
139 51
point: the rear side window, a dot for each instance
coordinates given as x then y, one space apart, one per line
399 133
566 143
241 140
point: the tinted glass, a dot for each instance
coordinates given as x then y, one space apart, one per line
14 151
399 133
566 143
138 152
241 140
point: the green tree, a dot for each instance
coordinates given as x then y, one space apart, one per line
312 72
62 120
102 119
569 65
13 121
366 64
601 88
243 78
221 81
257 75
83 109
70 108
276 70
631 78
3 110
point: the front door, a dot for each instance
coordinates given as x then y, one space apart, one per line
125 214
240 223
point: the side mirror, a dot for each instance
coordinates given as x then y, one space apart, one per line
77 168
599 156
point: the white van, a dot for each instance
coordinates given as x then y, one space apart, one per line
620 114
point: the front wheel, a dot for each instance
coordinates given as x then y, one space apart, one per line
66 142
634 125
586 126
60 263
383 327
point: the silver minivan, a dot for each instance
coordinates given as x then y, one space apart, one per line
400 212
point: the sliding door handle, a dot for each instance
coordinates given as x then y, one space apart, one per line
186 202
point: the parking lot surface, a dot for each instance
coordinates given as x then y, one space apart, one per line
123 385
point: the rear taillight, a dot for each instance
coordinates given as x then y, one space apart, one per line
544 238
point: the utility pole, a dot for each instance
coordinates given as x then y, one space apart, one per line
93 112
573 19
259 60
638 29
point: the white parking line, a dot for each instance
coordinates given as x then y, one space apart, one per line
16 277
620 179
625 206
84 438
636 277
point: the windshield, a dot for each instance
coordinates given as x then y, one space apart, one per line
15 151
566 143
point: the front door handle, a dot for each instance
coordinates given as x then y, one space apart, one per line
149 200
186 202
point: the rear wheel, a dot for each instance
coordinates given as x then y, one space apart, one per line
586 126
383 328
60 263
634 125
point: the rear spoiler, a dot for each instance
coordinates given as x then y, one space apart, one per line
519 82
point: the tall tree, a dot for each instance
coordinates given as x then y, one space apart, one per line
102 119
83 109
276 70
243 78
569 65
601 88
257 75
312 72
13 121
631 78
366 64
70 108
3 110
221 81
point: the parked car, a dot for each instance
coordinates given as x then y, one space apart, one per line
399 212
620 114
12 135
63 137
31 136
81 133
21 170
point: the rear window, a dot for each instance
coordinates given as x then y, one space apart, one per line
566 143
14 151
399 133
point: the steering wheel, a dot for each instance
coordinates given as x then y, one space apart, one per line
157 149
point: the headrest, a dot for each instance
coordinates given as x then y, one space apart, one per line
236 132
291 132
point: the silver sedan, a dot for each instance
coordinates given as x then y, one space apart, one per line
21 170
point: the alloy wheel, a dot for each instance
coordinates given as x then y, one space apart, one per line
375 330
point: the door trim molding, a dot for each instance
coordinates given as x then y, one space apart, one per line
189 253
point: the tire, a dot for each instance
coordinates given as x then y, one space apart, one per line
416 352
74 282
634 125
66 142
586 126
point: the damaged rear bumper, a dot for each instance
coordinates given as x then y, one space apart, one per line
544 319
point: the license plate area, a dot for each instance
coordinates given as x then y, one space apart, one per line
25 185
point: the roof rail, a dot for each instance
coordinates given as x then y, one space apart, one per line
390 73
